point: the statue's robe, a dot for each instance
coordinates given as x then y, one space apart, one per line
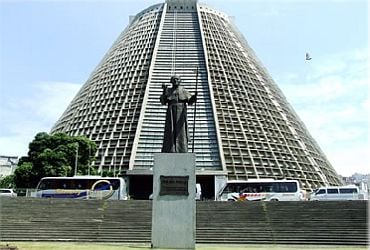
176 134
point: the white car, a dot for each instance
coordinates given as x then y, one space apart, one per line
6 192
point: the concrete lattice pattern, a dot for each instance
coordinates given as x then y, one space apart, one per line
244 126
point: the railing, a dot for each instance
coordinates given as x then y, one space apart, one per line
26 192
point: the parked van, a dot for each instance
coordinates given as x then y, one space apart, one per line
337 193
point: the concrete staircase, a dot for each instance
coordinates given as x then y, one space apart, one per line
326 223
75 220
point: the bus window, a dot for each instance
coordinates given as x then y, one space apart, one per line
43 185
321 191
291 187
284 187
348 190
333 191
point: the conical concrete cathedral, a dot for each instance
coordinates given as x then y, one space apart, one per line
244 126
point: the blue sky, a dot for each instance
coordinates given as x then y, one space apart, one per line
49 48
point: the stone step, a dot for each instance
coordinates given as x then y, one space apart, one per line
343 223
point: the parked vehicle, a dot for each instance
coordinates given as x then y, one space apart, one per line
337 193
262 190
6 192
82 187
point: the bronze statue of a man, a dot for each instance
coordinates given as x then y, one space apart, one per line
176 135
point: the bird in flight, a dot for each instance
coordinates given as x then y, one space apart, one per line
308 57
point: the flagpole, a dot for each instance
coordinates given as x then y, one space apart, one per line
195 108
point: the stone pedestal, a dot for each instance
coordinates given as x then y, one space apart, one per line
173 215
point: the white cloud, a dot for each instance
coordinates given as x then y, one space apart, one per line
328 66
53 97
366 104
23 118
332 100
348 63
348 161
323 90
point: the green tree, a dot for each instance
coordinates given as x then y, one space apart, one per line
55 155
24 176
7 182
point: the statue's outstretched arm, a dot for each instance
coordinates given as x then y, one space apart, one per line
193 98
163 97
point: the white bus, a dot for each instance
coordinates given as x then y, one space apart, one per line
262 190
350 192
82 187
